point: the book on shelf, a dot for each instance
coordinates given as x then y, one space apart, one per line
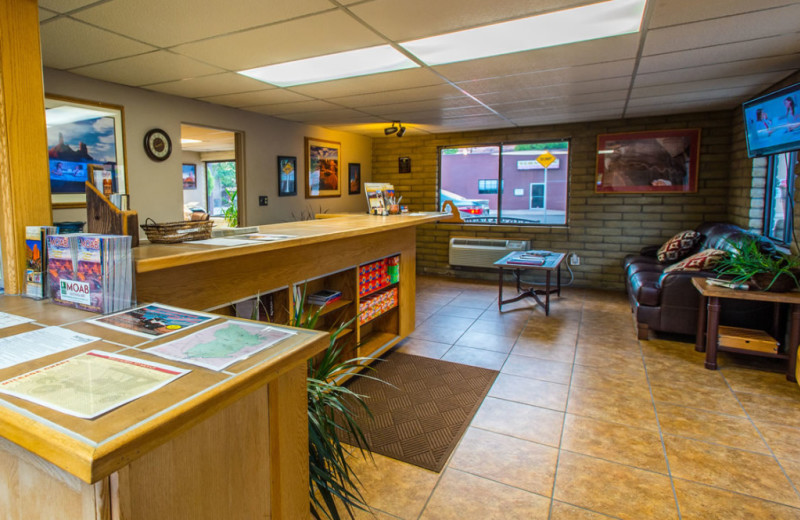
36 260
324 297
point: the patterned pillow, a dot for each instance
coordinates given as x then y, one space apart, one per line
705 260
678 247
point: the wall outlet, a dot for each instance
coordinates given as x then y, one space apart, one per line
263 200
574 259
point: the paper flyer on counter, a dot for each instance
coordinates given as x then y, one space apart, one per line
220 346
10 320
39 343
92 383
264 237
152 321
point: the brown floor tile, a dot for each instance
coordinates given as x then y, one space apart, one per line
530 391
792 469
460 496
476 301
612 406
607 357
740 471
522 464
699 502
438 334
614 442
419 318
427 307
563 352
458 311
760 382
454 322
422 347
783 440
395 487
475 357
520 420
633 381
719 400
509 330
614 489
670 372
735 432
562 511
486 341
534 368
507 315
765 408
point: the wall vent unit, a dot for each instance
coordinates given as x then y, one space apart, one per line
482 252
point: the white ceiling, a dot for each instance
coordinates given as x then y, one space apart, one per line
690 55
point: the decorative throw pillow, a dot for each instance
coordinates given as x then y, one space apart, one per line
678 247
705 260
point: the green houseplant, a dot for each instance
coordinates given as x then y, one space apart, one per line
231 213
776 272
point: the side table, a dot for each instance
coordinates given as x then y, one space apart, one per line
552 263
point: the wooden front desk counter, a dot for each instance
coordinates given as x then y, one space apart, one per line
211 445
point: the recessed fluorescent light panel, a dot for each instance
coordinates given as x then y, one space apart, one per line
590 22
360 62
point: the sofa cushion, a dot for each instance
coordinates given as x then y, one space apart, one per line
678 247
645 287
705 260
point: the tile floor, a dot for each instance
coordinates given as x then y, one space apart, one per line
585 422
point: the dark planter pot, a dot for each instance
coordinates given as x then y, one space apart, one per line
762 281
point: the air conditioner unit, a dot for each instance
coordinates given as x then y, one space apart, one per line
482 252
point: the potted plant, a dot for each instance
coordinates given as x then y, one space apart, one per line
766 271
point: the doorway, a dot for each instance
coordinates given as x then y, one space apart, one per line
538 193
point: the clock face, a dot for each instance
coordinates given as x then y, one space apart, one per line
157 144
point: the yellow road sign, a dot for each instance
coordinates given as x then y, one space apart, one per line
546 159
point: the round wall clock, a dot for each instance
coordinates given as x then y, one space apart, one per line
157 144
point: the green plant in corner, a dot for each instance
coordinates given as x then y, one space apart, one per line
749 263
231 213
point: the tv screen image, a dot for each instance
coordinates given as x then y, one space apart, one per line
772 122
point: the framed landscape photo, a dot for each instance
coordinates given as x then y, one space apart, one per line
82 136
660 161
287 176
189 176
323 168
354 178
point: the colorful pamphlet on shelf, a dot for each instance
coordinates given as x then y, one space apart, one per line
324 297
36 260
154 320
376 192
91 384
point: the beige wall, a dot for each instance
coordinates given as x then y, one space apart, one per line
156 189
602 227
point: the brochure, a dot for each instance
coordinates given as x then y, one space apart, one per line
10 320
92 383
264 237
39 343
152 321
221 345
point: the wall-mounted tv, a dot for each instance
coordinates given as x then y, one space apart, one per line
772 122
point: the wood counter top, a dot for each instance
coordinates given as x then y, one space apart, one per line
153 257
93 449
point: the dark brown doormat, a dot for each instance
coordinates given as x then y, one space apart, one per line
420 416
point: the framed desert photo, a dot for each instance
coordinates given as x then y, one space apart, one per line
661 161
82 136
323 168
189 176
354 178
287 176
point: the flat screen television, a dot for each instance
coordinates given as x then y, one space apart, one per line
772 122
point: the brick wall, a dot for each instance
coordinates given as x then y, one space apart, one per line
602 228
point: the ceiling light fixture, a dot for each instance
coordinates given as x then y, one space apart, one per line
402 131
348 64
589 22
396 128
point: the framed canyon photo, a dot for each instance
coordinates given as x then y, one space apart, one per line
660 161
323 168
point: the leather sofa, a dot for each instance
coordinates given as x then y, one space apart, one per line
668 302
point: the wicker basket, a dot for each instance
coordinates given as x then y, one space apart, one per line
174 232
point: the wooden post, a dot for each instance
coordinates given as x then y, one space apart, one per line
24 177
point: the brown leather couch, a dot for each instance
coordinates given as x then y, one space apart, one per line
668 302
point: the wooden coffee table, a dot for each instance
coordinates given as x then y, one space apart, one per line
552 263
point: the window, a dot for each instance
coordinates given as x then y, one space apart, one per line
778 205
535 173
221 186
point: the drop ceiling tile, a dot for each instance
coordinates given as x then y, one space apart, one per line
730 29
534 110
752 80
375 83
179 21
314 105
144 69
444 103
562 101
585 89
721 70
401 20
682 107
753 49
316 35
329 117
376 130
434 116
64 6
207 86
467 123
61 37
673 12
44 14
268 96
420 94
572 55
732 96
567 117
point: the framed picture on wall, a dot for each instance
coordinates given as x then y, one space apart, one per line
189 176
323 168
287 176
82 136
354 178
661 161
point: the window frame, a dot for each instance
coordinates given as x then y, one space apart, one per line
769 209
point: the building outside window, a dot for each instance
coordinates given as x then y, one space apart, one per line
221 184
778 208
533 178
